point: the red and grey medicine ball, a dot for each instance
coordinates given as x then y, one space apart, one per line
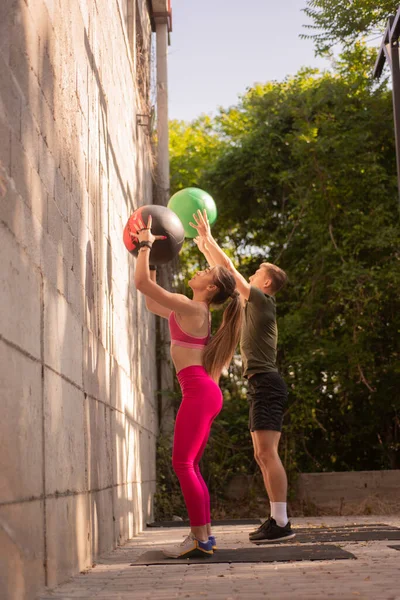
165 222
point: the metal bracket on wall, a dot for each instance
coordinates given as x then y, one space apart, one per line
147 120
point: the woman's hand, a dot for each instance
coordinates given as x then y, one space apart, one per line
144 233
201 224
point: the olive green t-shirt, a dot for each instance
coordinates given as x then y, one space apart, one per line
259 334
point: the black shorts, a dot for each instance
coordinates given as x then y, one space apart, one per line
267 398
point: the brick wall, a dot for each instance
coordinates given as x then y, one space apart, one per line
77 354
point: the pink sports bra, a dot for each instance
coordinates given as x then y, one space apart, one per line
181 338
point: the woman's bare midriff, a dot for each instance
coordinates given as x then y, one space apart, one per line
185 357
182 356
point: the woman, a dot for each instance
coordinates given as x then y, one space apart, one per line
198 362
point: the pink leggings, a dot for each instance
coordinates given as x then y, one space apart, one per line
201 403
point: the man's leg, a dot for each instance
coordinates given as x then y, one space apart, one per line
263 471
267 397
266 454
277 527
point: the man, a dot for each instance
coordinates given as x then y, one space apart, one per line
267 393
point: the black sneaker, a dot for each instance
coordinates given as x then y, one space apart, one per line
269 531
259 528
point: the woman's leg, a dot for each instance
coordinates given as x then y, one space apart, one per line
190 433
200 477
206 494
192 428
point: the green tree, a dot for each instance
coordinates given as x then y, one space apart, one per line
304 175
344 21
192 148
314 182
309 182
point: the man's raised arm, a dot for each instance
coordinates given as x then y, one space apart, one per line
216 254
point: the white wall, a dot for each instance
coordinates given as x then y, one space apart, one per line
77 354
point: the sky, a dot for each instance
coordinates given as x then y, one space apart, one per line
221 47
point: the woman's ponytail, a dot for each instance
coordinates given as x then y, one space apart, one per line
219 352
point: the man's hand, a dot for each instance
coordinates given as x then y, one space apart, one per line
214 254
201 224
200 243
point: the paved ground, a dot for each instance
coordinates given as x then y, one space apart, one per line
374 575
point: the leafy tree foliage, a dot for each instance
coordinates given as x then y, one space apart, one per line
345 21
304 175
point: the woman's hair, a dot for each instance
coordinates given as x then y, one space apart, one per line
218 353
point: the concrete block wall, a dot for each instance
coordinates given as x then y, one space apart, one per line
77 346
349 492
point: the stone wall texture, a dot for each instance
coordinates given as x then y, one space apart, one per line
349 492
77 347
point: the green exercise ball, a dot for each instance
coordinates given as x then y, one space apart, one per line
188 201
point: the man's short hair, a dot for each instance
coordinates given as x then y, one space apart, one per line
277 276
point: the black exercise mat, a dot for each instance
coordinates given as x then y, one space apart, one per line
257 522
362 526
340 536
215 523
394 547
251 555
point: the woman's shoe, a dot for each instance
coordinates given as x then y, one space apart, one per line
189 548
213 541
